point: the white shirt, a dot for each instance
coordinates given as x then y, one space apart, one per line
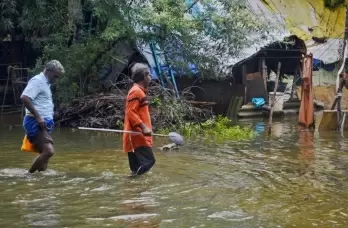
39 91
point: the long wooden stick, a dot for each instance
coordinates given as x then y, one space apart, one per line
274 100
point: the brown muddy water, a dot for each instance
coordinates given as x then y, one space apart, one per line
291 179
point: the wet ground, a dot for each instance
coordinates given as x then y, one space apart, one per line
292 179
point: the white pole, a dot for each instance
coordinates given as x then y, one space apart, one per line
114 130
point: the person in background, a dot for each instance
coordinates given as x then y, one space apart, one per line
137 118
38 122
343 80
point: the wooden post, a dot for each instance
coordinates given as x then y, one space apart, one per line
264 73
273 100
342 70
244 82
293 86
343 122
339 86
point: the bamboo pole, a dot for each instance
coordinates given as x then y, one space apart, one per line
264 73
339 87
342 70
273 100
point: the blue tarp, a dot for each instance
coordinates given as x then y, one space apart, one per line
153 73
258 102
260 127
195 9
317 63
177 46
165 68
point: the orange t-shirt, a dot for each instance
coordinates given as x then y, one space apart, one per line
137 112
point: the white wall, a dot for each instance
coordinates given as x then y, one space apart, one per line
324 78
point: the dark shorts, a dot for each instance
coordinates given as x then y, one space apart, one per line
41 138
142 160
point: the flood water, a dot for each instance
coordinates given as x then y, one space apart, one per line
291 179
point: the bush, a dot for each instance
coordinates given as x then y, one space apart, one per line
216 129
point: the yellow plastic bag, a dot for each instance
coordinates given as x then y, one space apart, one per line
27 146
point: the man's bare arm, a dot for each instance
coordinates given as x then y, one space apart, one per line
29 105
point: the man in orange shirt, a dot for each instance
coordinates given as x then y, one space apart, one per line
137 118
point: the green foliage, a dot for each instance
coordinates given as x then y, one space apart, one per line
7 15
30 19
334 4
218 129
75 59
218 33
80 34
173 111
157 102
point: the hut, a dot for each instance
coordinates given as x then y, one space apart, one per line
254 73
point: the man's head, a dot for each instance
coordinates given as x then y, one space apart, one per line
141 74
53 70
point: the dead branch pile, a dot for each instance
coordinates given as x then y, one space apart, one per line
107 110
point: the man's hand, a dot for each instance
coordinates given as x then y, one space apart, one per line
29 105
146 131
41 122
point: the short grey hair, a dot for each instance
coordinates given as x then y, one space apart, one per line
139 71
55 66
139 67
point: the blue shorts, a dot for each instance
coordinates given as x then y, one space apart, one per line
34 133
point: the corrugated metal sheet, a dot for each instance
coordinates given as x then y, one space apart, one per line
306 19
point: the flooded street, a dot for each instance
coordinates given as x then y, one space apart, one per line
291 179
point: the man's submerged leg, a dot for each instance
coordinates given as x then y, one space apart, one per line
146 159
45 144
133 163
41 162
38 165
35 165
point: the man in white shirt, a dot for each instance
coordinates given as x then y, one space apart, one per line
38 121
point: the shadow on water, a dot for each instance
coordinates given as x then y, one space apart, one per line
292 178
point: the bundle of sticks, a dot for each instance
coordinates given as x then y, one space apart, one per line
107 110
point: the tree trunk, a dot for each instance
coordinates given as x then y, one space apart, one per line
75 18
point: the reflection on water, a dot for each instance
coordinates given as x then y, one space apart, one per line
306 148
293 178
